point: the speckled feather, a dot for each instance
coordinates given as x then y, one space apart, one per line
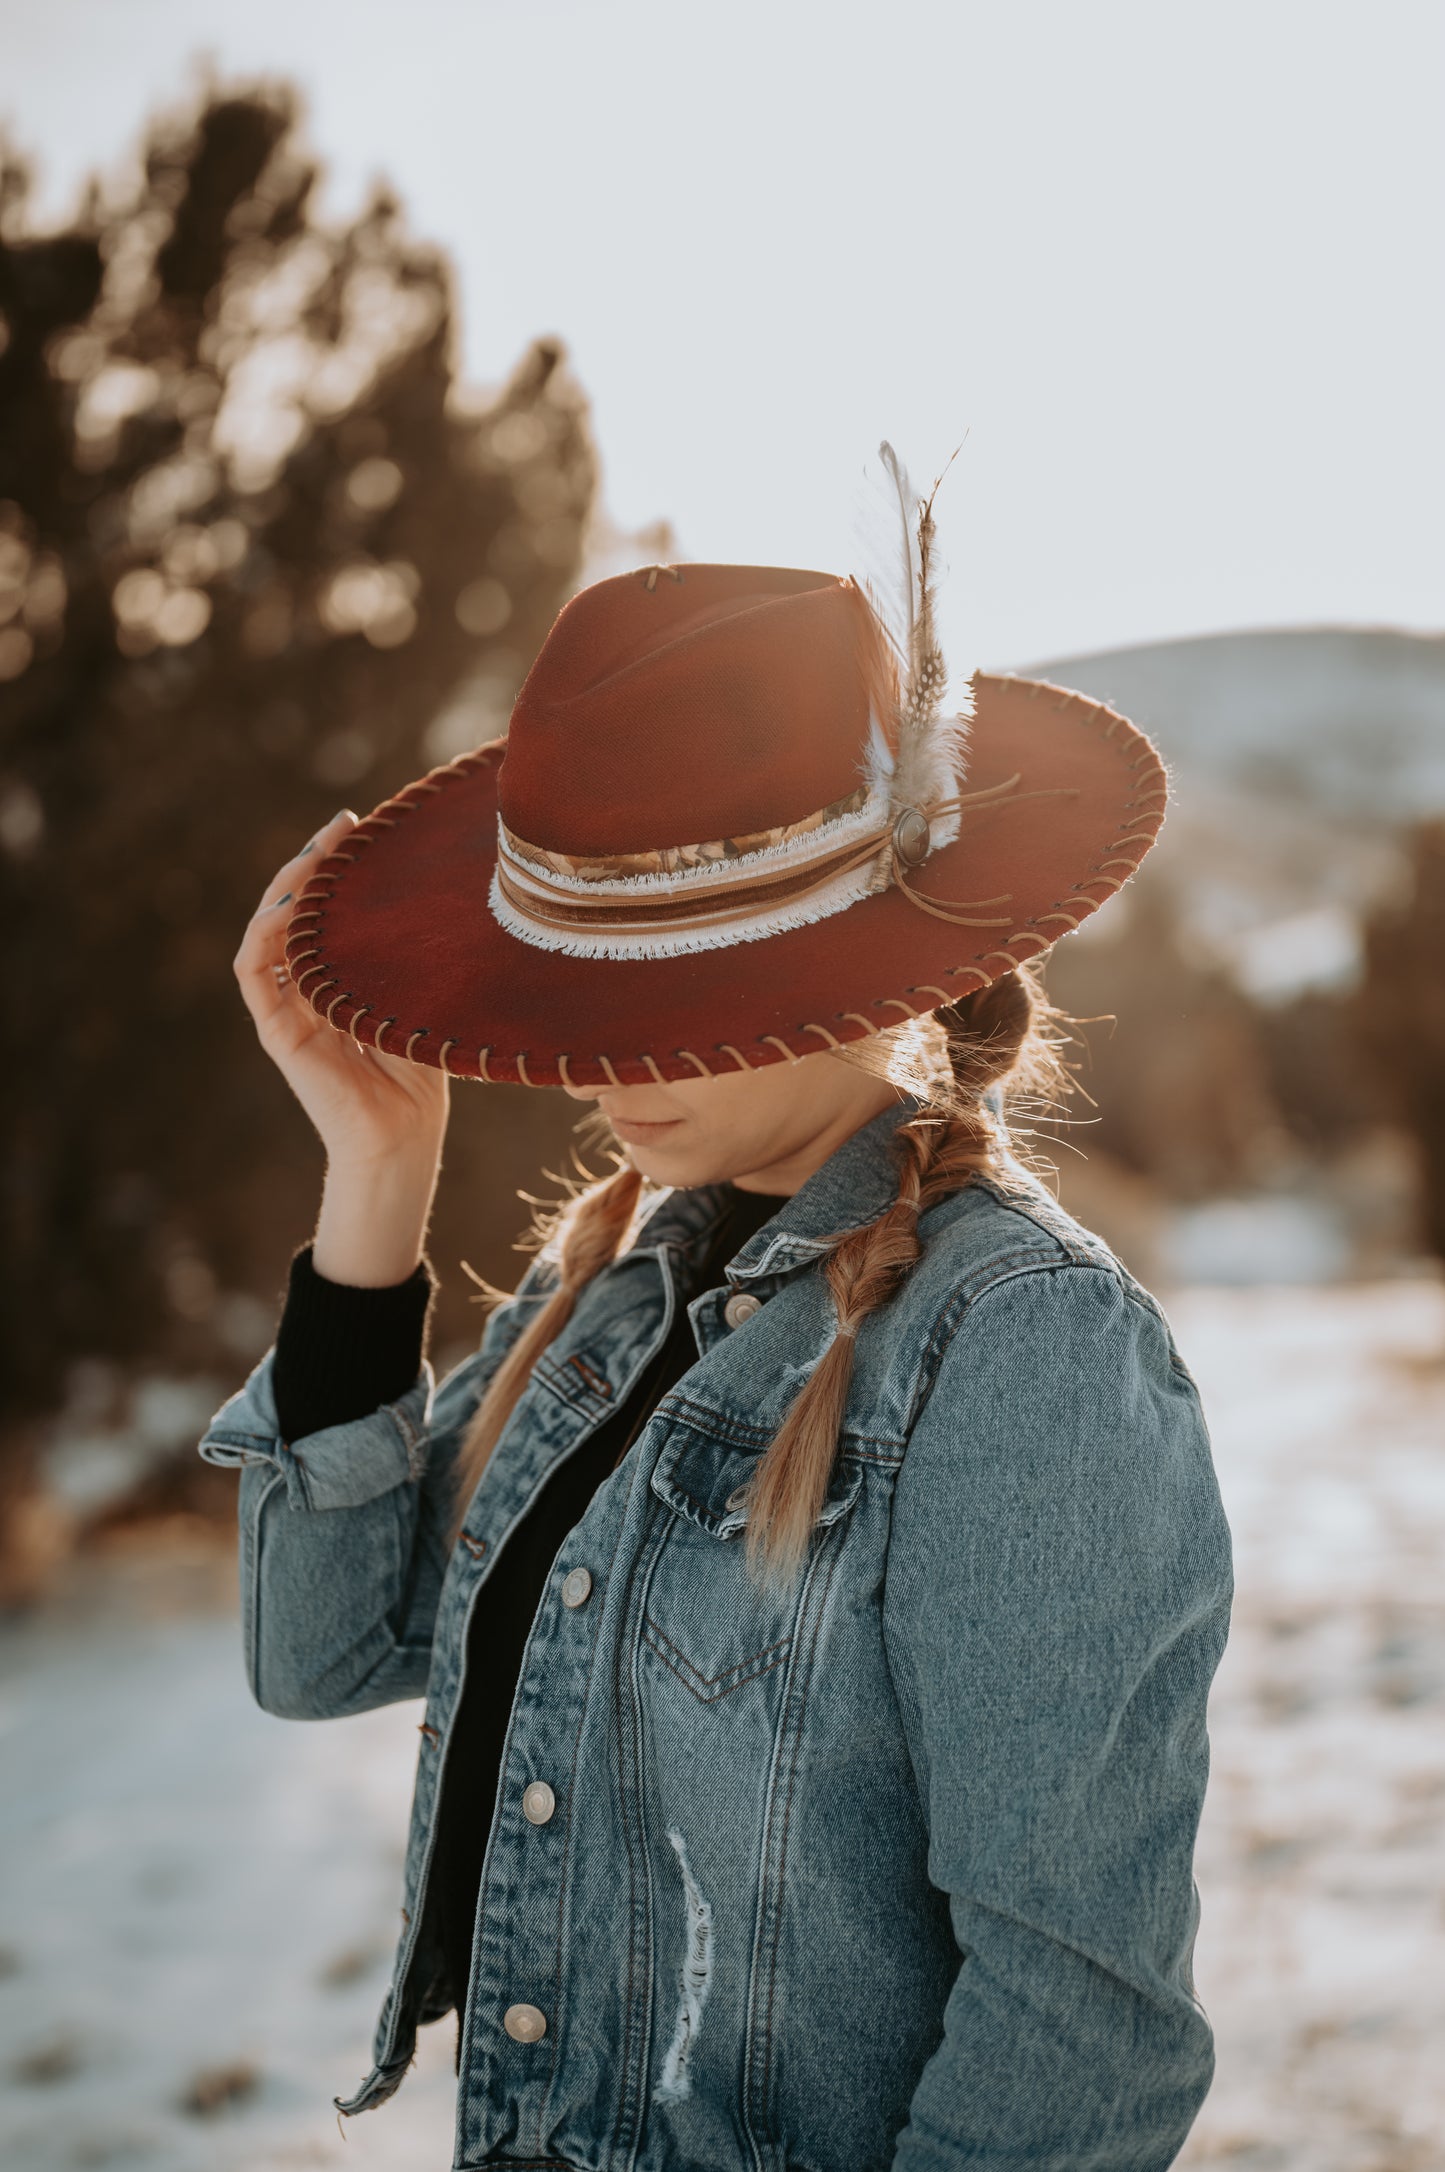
926 750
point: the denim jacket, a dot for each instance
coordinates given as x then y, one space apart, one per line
889 1870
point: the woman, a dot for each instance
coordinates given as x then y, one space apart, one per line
816 1576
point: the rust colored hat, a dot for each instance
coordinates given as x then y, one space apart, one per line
728 826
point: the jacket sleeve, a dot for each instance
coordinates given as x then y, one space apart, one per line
342 1532
1056 1602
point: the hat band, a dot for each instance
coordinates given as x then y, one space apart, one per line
709 896
594 868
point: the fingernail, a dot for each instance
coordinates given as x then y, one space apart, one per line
284 900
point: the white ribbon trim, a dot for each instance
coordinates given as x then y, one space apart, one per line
651 940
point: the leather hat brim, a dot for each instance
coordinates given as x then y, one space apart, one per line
393 940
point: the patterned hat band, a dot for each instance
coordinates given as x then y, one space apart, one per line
731 890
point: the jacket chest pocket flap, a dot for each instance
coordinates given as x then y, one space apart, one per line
702 1479
708 1624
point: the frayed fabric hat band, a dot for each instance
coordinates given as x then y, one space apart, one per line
710 896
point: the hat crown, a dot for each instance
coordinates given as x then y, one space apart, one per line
685 703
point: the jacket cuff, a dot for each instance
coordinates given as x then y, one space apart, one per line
338 1466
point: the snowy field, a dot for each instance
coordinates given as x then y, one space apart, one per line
197 1903
1321 1862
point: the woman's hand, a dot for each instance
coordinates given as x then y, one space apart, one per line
381 1119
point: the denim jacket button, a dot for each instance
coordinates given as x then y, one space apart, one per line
538 1803
741 1306
576 1586
525 2023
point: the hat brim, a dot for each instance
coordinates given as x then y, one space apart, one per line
393 940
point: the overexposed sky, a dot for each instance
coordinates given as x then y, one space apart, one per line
1175 269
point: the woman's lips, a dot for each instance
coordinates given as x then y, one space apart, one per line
639 1134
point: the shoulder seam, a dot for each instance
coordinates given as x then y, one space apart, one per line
967 1295
1046 1215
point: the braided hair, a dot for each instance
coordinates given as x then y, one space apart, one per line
953 1137
948 1061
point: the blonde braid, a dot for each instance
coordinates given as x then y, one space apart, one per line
589 1232
952 1138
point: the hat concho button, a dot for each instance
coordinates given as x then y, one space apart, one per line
912 837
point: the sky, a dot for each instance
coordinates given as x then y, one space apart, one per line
1172 273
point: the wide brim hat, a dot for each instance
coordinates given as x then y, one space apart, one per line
728 827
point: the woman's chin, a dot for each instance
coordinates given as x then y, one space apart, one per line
677 1165
660 1167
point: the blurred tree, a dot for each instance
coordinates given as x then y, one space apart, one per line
1401 1016
1326 1097
1179 1076
257 558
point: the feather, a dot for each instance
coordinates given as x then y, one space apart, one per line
923 755
903 630
883 550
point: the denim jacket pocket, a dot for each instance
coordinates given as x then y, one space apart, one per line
706 1620
704 1479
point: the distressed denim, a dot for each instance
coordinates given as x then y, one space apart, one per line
889 1870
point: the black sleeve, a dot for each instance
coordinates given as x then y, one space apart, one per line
341 1352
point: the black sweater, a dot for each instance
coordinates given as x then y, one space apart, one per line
340 1353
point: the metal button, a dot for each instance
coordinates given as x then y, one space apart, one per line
912 837
741 1306
525 2023
576 1587
538 1803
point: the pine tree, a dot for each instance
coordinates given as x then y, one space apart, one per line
259 558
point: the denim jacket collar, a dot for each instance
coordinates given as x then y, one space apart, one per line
854 1185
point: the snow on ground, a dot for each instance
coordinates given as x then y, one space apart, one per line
197 1902
197 1905
1321 1863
